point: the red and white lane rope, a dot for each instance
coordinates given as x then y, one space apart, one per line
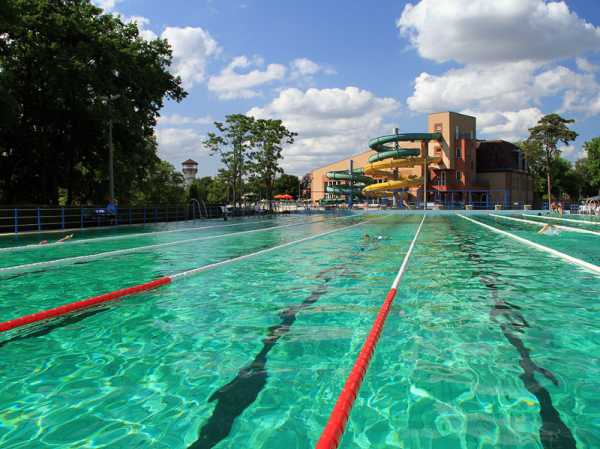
107 297
120 252
333 431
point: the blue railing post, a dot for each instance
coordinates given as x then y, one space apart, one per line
144 214
62 217
39 220
81 217
16 220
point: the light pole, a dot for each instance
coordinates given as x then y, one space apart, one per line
111 148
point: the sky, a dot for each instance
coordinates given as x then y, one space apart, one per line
341 72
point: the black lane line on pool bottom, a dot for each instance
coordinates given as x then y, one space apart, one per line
554 433
242 391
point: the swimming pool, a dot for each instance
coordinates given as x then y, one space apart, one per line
490 343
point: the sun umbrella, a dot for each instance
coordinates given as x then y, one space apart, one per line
284 196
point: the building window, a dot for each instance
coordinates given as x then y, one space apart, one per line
458 177
438 128
458 154
457 135
442 178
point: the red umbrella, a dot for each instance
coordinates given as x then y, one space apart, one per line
284 197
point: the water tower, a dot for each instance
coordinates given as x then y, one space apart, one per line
190 169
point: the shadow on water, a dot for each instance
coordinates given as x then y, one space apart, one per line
234 397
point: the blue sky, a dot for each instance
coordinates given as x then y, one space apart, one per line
341 72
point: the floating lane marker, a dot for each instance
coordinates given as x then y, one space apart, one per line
573 260
107 297
79 305
333 431
120 252
121 237
596 223
540 223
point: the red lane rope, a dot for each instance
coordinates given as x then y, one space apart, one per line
79 305
332 434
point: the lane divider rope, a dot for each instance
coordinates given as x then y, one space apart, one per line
596 223
541 223
79 305
121 237
120 252
573 260
107 297
334 429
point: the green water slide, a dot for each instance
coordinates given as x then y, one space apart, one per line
358 179
344 175
385 145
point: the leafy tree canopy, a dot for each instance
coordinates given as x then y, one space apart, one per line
66 71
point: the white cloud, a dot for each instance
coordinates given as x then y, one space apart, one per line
178 144
192 47
483 31
510 50
305 67
485 87
142 23
586 66
178 120
510 125
231 84
106 5
331 123
571 152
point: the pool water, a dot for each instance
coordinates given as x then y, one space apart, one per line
489 344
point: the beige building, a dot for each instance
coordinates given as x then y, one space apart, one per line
460 178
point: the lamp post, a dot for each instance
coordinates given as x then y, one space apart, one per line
111 148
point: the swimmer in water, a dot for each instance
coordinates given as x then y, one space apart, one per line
62 240
548 229
65 238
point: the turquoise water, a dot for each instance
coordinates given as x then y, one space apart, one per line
488 344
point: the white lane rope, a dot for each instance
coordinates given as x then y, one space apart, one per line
572 260
263 251
125 236
596 223
90 257
541 223
407 256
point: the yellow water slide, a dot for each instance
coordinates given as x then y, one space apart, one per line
390 157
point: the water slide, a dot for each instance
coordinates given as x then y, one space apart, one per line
390 157
359 182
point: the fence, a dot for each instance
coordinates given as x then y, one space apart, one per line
23 219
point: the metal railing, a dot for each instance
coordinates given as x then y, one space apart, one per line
31 218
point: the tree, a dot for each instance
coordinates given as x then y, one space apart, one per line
162 184
233 143
549 132
66 71
200 188
592 163
287 184
217 191
269 136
